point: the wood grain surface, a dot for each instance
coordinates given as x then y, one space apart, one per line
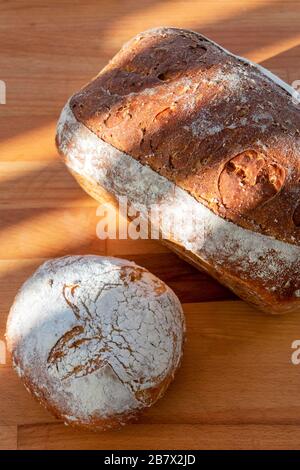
237 387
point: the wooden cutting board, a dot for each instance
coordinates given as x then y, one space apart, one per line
237 387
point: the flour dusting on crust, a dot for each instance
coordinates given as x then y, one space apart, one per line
178 103
251 256
95 338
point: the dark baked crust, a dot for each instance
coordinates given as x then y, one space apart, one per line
208 121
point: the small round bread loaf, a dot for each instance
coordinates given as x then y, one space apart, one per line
95 339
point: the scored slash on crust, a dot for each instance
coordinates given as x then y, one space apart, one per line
85 348
60 355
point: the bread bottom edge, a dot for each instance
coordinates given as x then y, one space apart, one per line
258 299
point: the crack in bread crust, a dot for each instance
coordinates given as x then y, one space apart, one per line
259 268
102 342
179 103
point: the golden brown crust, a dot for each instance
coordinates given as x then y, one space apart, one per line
250 291
210 122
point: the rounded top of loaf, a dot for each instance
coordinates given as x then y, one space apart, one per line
95 339
213 123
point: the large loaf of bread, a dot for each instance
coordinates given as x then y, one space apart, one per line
176 121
